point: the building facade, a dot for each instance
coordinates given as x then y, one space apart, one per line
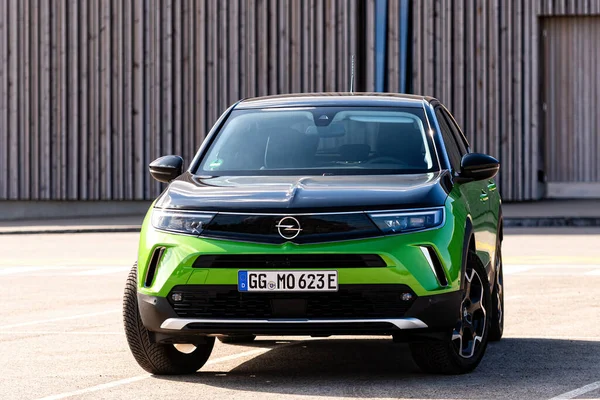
92 91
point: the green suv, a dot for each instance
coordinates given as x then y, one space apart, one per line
322 214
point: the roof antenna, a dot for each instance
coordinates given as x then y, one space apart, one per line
352 76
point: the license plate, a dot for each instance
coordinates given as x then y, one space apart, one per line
287 281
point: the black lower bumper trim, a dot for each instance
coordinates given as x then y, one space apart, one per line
438 312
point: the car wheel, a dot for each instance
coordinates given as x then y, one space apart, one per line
466 344
232 339
497 320
159 359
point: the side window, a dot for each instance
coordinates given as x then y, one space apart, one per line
460 139
449 141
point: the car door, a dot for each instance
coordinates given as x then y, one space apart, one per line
488 186
474 194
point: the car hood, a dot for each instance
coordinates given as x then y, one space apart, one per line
305 194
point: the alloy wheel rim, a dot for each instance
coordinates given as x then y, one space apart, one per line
470 329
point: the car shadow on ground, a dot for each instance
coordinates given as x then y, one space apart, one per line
378 368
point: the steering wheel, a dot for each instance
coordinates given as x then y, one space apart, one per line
387 160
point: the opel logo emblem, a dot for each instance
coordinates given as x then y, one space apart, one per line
288 228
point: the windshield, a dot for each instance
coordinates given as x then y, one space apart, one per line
321 141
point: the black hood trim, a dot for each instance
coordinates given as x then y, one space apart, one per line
289 195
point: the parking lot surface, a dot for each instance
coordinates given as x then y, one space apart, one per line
61 333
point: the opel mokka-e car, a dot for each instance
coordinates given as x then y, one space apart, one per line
317 215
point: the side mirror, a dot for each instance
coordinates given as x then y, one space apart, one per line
477 167
167 168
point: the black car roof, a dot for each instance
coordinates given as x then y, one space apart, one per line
335 99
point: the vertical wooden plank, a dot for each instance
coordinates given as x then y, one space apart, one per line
201 69
308 45
470 99
93 148
13 101
250 48
283 46
448 52
104 137
177 34
273 45
200 59
45 127
526 90
429 50
214 33
492 130
34 172
437 53
345 39
352 28
4 128
158 104
417 44
234 52
62 129
187 44
393 47
24 101
84 84
330 45
370 46
547 93
534 105
509 101
340 57
55 101
243 18
117 105
146 84
262 47
295 54
127 51
73 98
319 47
481 70
518 99
595 127
222 59
458 64
210 82
166 79
140 106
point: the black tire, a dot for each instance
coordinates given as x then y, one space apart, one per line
236 339
159 359
444 356
497 322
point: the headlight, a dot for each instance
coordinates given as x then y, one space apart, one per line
408 221
185 222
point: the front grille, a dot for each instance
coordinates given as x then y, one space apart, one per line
299 261
351 301
317 228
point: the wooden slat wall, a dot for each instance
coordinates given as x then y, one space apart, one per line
481 59
571 44
91 91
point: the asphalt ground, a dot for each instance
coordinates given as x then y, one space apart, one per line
61 333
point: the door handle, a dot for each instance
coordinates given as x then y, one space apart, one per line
491 186
484 196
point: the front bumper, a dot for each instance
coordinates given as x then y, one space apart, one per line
426 315
177 265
